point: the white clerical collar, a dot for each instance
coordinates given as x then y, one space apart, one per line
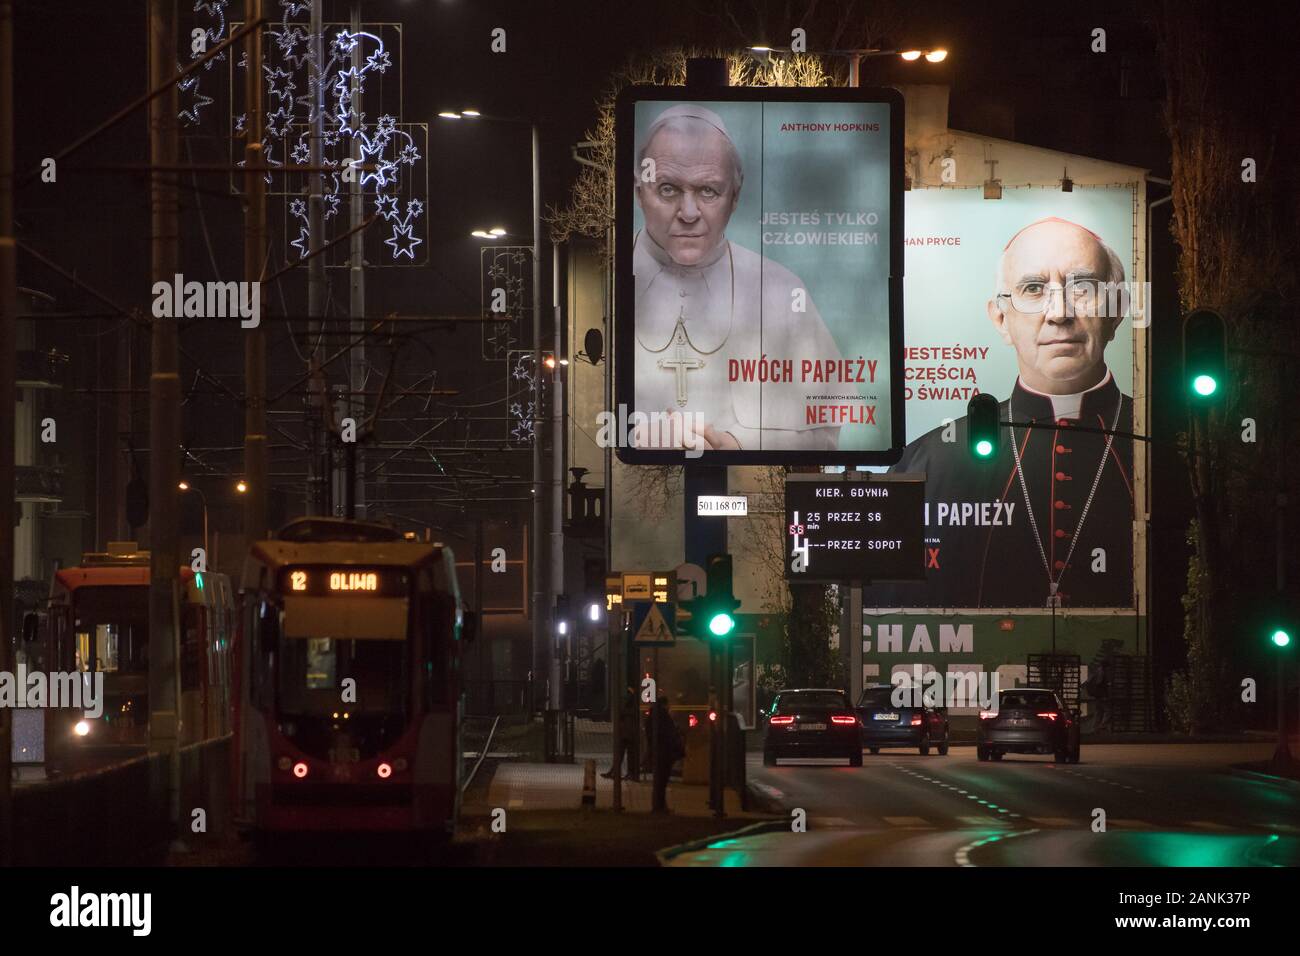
1066 406
661 256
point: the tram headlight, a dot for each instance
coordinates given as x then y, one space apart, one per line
384 770
300 770
81 728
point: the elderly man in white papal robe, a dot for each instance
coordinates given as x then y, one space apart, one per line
702 300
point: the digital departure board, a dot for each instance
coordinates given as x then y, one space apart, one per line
854 527
321 581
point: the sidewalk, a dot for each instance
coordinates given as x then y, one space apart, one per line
558 786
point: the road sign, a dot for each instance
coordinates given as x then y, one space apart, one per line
651 623
845 528
637 586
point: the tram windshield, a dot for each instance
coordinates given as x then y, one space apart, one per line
328 640
110 628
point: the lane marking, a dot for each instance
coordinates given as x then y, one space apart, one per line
1057 821
962 856
908 822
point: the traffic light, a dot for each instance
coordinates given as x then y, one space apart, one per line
1204 354
1280 637
983 429
713 613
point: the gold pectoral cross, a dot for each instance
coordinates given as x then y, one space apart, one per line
680 364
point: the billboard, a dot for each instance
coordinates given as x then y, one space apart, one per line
1030 298
759 277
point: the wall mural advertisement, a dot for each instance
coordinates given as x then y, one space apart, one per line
760 300
1030 298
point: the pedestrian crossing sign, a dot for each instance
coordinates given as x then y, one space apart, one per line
650 623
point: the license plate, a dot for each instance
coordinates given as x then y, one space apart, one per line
344 755
1017 722
885 717
812 726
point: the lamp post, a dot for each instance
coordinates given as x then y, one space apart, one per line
184 485
540 608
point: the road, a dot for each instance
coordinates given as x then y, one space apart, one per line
1162 805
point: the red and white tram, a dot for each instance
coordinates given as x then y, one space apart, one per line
348 682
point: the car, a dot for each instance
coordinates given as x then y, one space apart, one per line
884 725
812 722
1028 720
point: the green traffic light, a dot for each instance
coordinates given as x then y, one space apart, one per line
1204 385
722 624
1281 638
984 448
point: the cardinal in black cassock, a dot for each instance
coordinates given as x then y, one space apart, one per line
1062 493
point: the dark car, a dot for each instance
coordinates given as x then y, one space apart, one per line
812 723
884 725
1028 720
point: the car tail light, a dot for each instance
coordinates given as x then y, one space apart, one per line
988 714
781 721
300 770
843 719
1049 714
384 770
917 720
692 721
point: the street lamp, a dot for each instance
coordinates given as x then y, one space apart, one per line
540 608
855 57
241 486
184 485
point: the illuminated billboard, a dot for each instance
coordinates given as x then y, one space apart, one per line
1030 298
759 276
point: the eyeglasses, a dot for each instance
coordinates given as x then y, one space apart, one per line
1077 296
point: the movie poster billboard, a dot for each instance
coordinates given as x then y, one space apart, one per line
759 263
1030 298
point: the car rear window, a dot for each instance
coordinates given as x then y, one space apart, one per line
1027 700
811 698
877 697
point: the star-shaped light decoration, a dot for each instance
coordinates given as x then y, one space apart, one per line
331 204
302 242
379 61
386 206
409 155
385 125
402 242
298 207
279 83
414 209
191 85
301 153
279 122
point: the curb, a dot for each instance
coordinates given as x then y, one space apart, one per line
762 826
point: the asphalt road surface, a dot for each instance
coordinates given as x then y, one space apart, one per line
1162 805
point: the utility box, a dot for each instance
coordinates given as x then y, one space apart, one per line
695 765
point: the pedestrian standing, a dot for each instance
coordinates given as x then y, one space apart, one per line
629 717
668 750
